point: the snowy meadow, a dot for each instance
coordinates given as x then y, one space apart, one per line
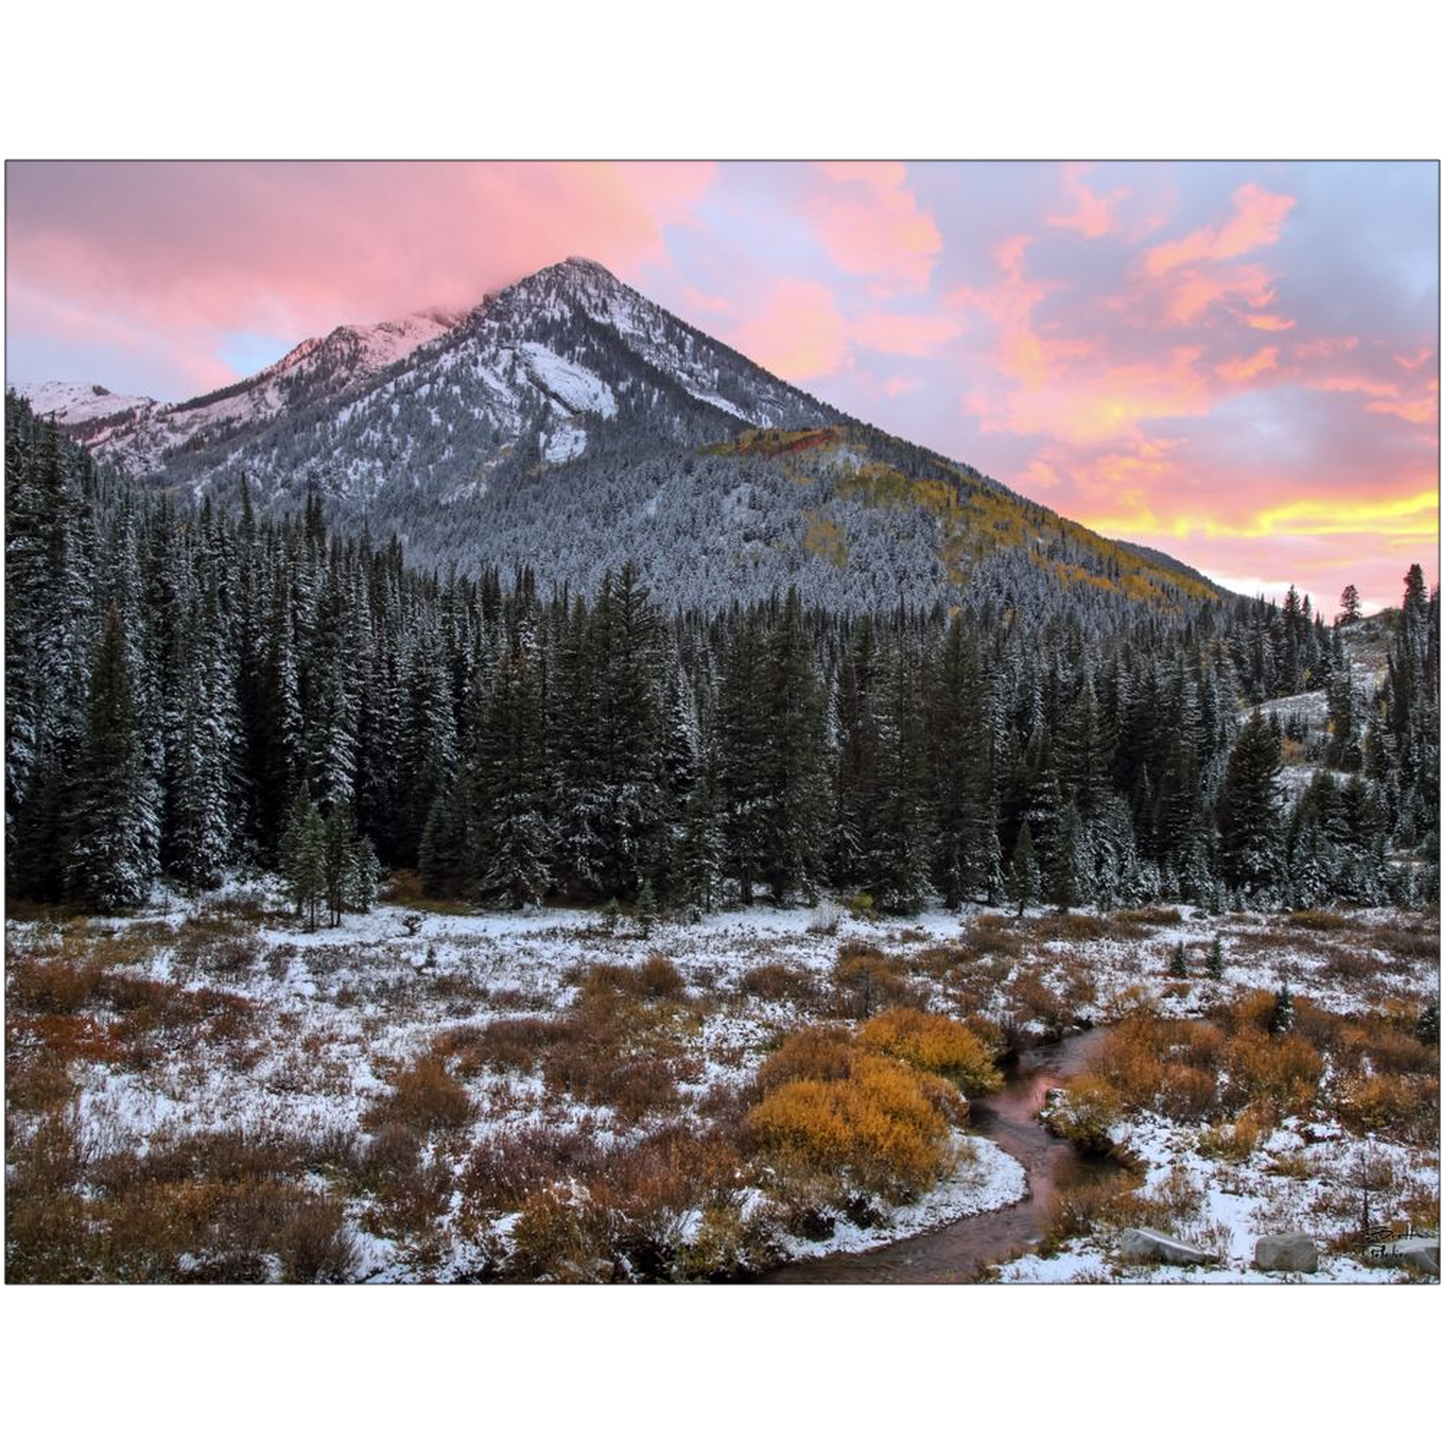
205 1090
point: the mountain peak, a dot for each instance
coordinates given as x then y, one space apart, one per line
586 263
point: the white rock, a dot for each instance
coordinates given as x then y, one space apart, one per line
1148 1246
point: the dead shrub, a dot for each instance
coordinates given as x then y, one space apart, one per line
512 1045
1086 1110
1070 928
992 933
1153 915
1085 1205
1237 1140
1414 940
1318 920
509 1166
657 977
820 1053
562 1236
1401 1107
866 979
314 1243
1030 999
778 981
423 1096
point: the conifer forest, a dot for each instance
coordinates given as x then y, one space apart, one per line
190 690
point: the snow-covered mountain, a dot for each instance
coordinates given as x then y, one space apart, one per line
76 403
567 423
140 434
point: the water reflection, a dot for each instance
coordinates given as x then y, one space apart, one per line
957 1252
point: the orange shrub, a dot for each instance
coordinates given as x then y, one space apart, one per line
1284 1069
939 1045
878 1129
1404 1107
819 1053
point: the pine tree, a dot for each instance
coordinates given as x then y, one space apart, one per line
513 840
795 778
1023 878
1215 963
302 857
113 825
1247 811
349 868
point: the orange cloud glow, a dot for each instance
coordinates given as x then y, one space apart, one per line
1248 367
870 223
799 332
1258 218
1266 322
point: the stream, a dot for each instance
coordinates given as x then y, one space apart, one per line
956 1253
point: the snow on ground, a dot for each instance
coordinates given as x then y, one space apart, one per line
335 1009
986 1179
1235 1203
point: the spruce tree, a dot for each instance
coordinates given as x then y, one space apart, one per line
302 856
1023 878
1247 812
113 823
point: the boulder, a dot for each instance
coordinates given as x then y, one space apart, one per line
1148 1246
1293 1252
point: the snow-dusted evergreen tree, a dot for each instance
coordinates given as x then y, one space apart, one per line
113 826
1247 812
349 869
795 817
1023 875
512 837
302 856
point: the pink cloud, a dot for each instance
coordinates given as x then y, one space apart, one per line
1192 291
1257 221
901 385
1265 322
1092 215
1417 359
903 335
799 332
870 223
1246 368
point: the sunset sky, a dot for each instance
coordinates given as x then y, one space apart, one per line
1235 362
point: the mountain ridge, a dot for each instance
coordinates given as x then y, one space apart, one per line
567 421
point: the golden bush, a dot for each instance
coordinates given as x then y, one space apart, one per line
878 1129
934 1043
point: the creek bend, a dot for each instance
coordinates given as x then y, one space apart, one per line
956 1253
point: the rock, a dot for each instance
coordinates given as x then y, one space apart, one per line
1414 1251
1293 1252
1148 1246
